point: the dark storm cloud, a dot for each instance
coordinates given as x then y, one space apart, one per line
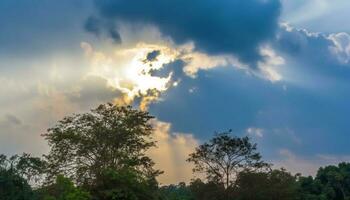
217 27
30 27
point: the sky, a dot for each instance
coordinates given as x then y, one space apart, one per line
275 70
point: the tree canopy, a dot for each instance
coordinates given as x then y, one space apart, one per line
84 145
63 189
224 156
15 174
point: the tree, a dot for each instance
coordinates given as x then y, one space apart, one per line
271 185
310 189
84 146
15 173
14 187
176 192
224 156
207 191
63 189
30 168
335 181
330 183
126 184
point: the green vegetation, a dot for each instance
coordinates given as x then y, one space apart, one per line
101 155
63 189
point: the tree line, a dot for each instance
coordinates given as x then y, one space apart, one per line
102 155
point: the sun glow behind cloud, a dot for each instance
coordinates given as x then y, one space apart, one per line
129 71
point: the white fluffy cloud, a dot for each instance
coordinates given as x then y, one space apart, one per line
268 67
341 46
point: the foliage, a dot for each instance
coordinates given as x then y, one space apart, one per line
83 146
207 191
14 187
272 185
126 184
331 183
15 174
25 166
176 192
310 189
224 156
63 189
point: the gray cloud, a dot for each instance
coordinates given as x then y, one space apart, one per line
217 27
93 91
11 119
326 54
97 27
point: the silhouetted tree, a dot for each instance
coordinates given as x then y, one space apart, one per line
224 156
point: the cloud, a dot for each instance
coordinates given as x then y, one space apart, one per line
316 49
13 89
57 86
307 165
137 71
220 27
341 46
289 134
93 25
30 28
92 91
127 72
257 132
303 11
14 136
171 153
269 66
313 60
195 61
12 119
317 15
